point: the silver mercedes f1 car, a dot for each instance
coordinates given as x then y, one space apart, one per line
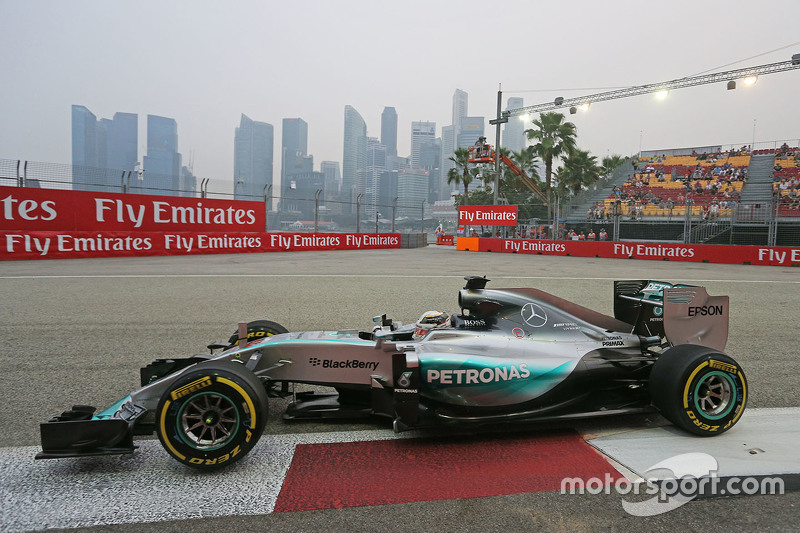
509 356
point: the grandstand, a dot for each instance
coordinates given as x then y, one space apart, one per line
700 195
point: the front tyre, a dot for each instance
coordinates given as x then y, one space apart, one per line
698 389
259 329
212 415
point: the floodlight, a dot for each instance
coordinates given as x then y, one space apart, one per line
584 106
662 94
750 80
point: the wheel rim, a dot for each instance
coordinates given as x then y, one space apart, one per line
208 421
715 395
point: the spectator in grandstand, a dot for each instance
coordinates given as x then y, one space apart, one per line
603 234
713 210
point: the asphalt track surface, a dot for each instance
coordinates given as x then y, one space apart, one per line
77 331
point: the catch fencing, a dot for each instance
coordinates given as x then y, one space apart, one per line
309 209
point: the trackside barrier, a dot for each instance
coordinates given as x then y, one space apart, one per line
697 253
58 224
447 240
84 244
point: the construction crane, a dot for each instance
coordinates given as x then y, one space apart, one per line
482 152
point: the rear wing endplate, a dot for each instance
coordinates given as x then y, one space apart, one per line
691 316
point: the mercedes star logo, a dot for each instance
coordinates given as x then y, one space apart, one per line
534 315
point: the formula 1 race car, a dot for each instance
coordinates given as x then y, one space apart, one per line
509 356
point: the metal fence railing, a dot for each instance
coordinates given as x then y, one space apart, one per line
745 224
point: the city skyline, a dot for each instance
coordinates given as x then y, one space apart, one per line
206 80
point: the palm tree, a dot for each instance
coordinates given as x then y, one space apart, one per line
580 171
461 175
528 162
610 163
553 138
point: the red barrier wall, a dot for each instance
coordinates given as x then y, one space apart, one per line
57 224
57 210
79 244
699 253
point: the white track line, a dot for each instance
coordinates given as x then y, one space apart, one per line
381 276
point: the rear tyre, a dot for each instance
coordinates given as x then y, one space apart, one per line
212 415
259 329
698 389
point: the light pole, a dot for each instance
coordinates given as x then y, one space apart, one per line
501 119
358 212
239 181
394 212
267 200
316 210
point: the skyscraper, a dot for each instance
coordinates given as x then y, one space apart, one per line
333 178
354 158
471 128
421 133
514 130
460 107
448 146
162 164
450 134
430 159
102 150
253 156
294 148
389 130
412 190
84 146
376 165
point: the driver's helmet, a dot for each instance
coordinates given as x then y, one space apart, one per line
430 320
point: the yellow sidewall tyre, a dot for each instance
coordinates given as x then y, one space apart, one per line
259 329
699 389
212 415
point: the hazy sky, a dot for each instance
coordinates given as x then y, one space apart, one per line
204 63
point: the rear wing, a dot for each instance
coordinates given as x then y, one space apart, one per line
683 314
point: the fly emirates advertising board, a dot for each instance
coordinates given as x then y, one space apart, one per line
50 224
